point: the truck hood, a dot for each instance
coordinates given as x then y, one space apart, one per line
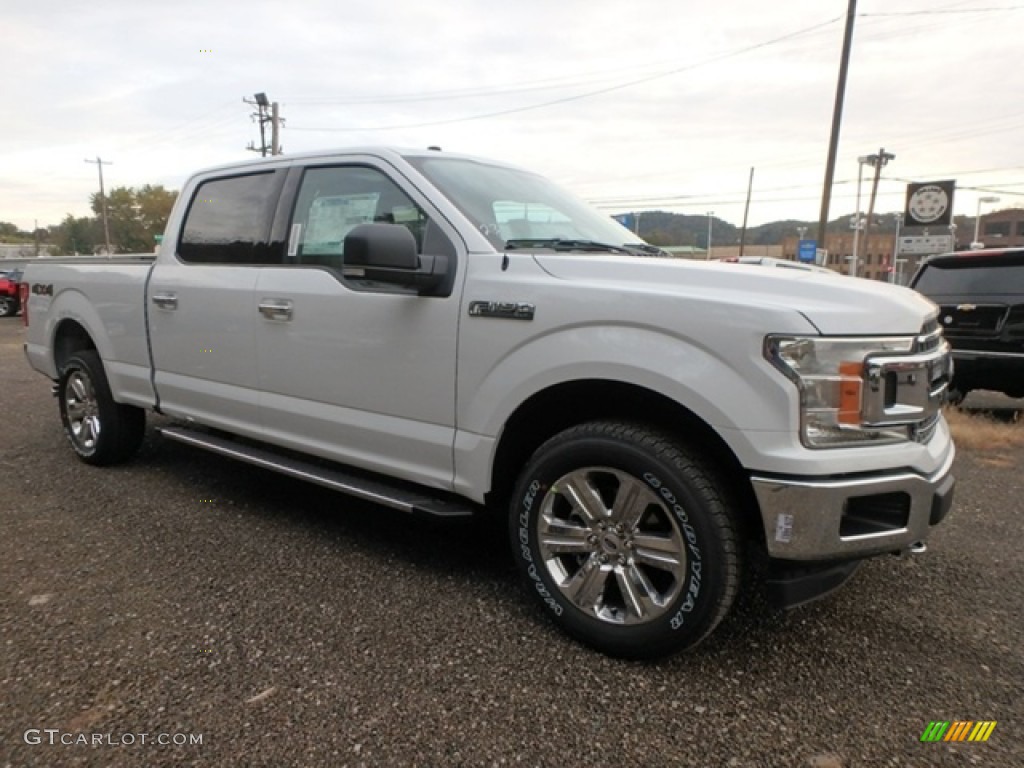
834 304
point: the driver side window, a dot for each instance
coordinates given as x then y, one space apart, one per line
332 201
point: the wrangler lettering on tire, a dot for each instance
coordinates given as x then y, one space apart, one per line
626 539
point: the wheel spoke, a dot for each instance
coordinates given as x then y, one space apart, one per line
561 536
584 498
78 386
662 552
586 586
639 594
631 501
76 410
88 433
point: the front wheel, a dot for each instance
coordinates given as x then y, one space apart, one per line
625 538
8 307
100 430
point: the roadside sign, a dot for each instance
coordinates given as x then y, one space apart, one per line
925 245
806 250
628 220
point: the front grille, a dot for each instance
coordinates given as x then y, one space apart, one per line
930 336
909 390
924 431
972 319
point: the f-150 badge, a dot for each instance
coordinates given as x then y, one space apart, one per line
510 310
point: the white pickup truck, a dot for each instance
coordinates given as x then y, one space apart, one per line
448 336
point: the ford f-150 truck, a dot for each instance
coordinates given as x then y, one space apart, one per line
449 336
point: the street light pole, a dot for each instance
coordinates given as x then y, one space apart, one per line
896 248
708 255
856 219
977 216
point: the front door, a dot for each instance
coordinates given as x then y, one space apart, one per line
357 371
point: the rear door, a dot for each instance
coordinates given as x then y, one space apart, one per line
202 316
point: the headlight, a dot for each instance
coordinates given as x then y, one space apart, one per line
830 374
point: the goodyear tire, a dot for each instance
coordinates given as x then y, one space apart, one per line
624 538
100 430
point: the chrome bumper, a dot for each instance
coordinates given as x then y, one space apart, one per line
849 518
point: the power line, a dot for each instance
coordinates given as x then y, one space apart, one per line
588 94
940 11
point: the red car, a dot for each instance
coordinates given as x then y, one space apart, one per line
10 303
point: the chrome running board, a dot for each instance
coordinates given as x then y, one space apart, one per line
405 498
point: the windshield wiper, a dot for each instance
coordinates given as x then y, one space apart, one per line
561 244
645 249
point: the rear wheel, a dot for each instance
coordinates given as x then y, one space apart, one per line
100 430
625 538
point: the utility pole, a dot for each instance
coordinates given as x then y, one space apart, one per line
878 161
35 237
746 210
708 254
837 119
103 201
261 116
275 132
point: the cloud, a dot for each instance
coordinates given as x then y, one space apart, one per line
653 99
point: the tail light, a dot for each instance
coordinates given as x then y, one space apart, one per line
23 297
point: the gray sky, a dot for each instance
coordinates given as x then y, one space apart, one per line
645 104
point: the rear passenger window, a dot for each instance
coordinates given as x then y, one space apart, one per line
229 222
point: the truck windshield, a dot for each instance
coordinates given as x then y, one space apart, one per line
518 209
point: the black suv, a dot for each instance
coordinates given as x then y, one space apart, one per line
981 297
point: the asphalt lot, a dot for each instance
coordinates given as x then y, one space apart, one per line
184 594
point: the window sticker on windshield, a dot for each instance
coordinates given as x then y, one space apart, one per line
405 214
331 218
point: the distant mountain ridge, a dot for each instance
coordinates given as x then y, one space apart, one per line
665 228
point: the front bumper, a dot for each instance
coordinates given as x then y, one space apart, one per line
989 369
851 517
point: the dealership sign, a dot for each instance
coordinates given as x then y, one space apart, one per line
930 204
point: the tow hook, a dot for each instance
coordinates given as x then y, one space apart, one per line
917 548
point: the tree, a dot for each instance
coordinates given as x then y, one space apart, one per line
9 233
135 216
75 236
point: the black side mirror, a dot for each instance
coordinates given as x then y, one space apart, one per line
385 246
387 253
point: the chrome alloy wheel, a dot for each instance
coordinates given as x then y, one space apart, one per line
611 545
83 411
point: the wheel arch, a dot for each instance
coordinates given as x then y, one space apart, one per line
567 404
69 338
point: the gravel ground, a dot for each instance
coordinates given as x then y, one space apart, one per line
289 626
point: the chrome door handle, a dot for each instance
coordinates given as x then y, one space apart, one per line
165 300
276 309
